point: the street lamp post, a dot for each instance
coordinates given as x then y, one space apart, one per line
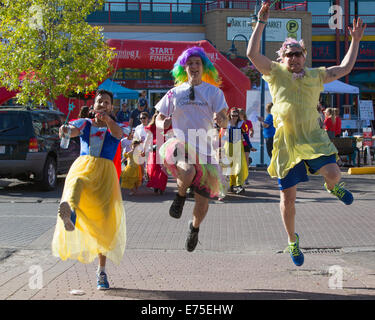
254 21
232 52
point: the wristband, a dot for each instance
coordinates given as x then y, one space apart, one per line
264 22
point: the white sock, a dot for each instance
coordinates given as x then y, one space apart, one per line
100 270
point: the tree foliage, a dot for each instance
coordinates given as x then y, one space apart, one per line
48 49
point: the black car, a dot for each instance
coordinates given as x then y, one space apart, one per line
30 146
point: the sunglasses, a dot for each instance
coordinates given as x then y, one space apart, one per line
297 54
192 93
142 118
234 115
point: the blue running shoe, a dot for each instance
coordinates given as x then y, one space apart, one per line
295 253
341 193
102 282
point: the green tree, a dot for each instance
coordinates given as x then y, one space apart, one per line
48 49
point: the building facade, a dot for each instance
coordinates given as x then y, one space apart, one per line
227 25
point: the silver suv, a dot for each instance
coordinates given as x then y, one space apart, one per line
30 146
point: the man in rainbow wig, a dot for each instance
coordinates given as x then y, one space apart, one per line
300 146
189 156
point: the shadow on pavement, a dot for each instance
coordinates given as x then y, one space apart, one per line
255 294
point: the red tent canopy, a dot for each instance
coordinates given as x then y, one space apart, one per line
148 54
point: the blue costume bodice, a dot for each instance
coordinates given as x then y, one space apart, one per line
96 141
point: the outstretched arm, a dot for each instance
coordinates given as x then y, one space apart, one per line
261 62
347 64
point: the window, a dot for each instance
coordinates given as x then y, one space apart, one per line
319 7
149 5
12 124
45 124
143 74
115 6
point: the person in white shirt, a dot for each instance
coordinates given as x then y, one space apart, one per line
139 132
190 108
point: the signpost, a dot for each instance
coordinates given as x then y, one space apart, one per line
277 28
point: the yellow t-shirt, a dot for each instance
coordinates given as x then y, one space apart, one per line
298 134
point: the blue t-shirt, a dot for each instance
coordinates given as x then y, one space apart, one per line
270 131
123 116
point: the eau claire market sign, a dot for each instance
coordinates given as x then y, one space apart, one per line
277 29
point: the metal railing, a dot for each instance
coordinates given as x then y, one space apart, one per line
188 12
181 11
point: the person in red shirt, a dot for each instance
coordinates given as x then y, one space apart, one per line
157 177
330 122
338 123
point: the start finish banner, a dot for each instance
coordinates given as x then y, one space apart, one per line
277 29
139 54
152 54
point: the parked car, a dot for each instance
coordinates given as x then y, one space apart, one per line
30 146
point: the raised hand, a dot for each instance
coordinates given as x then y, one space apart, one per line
264 12
358 29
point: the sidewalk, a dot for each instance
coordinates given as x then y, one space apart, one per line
239 255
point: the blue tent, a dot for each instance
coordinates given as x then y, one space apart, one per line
119 92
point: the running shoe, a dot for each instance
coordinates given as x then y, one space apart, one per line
102 282
240 190
192 237
295 252
341 193
175 211
67 215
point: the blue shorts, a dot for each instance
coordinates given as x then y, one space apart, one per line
299 172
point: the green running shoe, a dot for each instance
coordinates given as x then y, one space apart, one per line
295 252
341 193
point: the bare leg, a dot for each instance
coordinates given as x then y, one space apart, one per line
200 210
185 176
331 173
288 211
102 260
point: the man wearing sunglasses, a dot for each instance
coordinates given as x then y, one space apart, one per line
140 133
191 107
300 146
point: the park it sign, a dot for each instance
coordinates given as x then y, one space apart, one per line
277 29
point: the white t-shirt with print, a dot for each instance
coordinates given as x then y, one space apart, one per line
192 120
140 133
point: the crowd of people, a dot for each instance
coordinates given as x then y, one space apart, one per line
91 217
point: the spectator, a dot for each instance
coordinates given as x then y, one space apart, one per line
124 114
139 132
268 129
135 115
157 178
337 123
321 118
247 128
330 122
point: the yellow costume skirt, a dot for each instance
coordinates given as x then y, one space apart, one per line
131 177
238 171
92 189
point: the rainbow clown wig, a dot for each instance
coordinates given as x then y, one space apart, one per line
210 74
290 43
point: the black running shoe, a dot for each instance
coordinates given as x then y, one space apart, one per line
177 206
192 238
240 190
